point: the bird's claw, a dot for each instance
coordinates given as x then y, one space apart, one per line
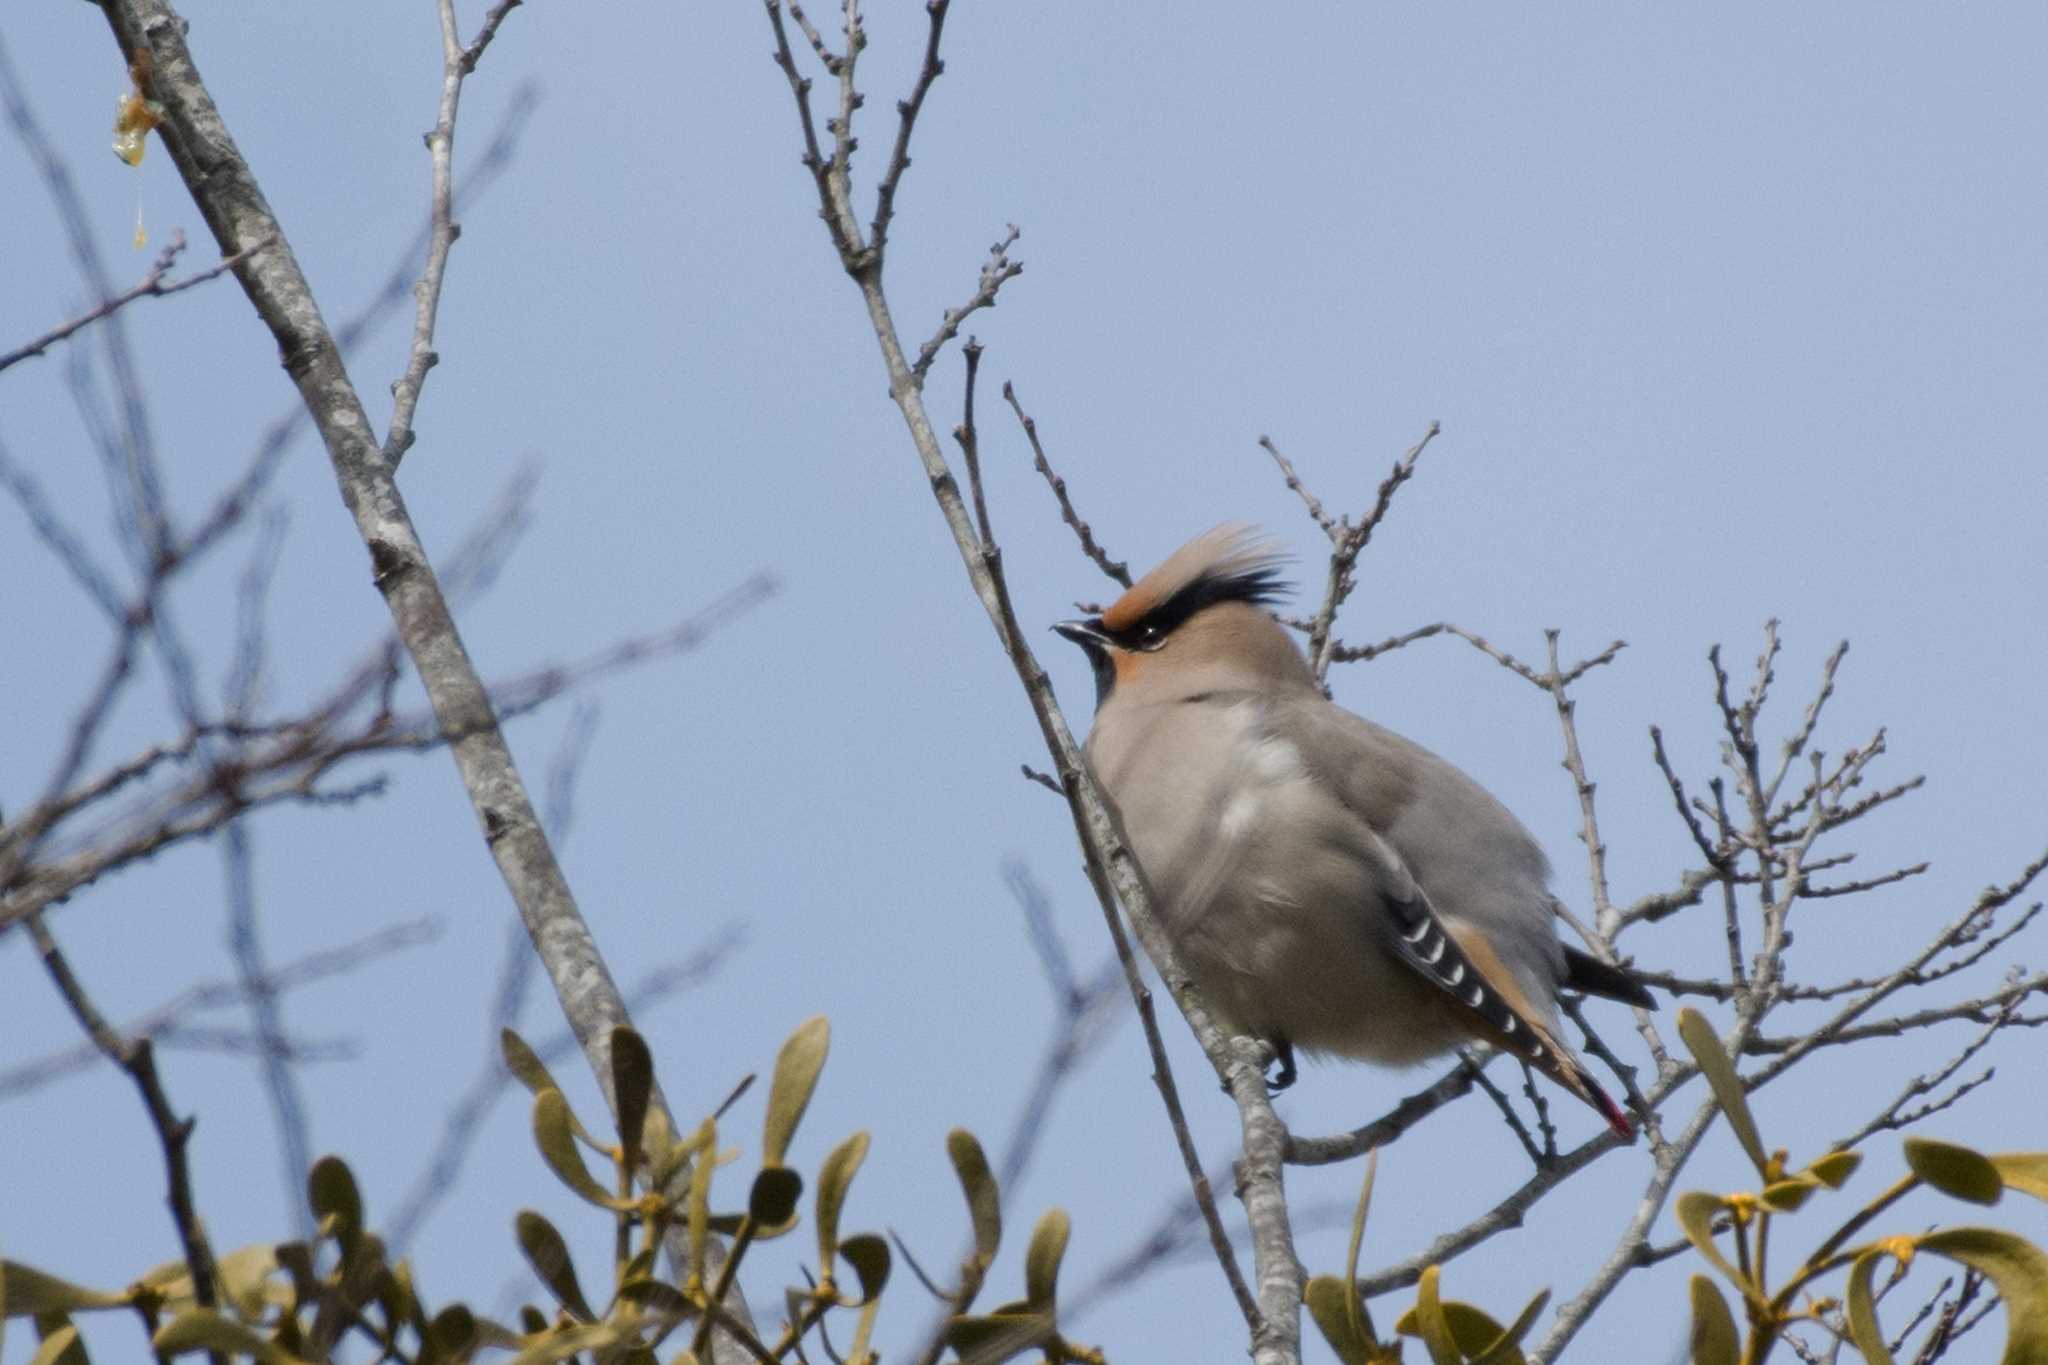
1283 1051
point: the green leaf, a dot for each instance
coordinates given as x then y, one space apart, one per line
1506 1347
528 1069
2026 1172
796 1076
243 1275
1473 1332
1715 1065
632 1084
2020 1271
1714 1341
984 1201
202 1329
833 1179
524 1063
657 1296
554 1132
1329 1302
1042 1259
548 1254
706 1144
1861 1308
869 1257
60 1346
1431 1324
452 1334
31 1293
1354 1306
1834 1169
1954 1170
1696 1213
998 1336
336 1202
658 1140
772 1200
401 1302
1786 1196
561 1343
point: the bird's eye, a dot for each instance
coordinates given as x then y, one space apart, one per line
1149 636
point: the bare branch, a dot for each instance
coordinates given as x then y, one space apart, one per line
227 191
1045 780
1795 744
1988 903
1514 1121
169 1022
488 30
1984 1009
1347 543
1308 499
1381 1131
970 442
1118 571
1275 1316
906 121
154 285
174 1134
1808 891
1341 653
60 539
998 271
1589 830
456 64
1951 1325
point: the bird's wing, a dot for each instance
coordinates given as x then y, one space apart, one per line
1460 962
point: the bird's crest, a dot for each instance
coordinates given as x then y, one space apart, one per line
1234 562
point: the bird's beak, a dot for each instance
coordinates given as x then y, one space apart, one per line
1088 634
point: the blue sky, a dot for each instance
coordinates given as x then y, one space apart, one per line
1727 315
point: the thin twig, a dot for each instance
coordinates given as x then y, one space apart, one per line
1308 499
457 62
1514 1121
152 286
174 1134
906 120
970 442
1347 543
1045 780
996 272
1117 571
1275 1315
169 1022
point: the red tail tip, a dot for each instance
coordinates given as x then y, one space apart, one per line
1617 1118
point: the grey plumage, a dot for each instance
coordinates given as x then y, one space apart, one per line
1329 884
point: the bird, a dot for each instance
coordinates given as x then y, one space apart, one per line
1328 885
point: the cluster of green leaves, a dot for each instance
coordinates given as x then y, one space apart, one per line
2015 1266
1454 1333
280 1303
292 1303
1457 1333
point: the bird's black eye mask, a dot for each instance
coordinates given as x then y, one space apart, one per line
1257 586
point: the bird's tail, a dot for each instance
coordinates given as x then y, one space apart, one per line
1462 964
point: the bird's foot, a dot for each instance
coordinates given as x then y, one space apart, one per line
1283 1051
